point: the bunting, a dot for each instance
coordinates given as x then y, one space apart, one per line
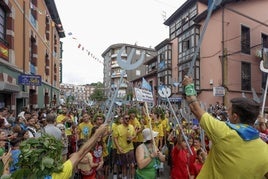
83 48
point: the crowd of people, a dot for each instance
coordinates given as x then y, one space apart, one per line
141 143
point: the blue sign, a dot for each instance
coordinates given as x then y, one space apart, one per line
30 80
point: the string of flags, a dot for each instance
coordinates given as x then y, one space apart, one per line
83 48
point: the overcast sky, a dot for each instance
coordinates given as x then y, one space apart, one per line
97 24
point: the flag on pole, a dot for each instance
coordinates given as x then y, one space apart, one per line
146 85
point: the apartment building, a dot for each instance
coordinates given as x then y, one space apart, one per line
112 71
78 95
30 53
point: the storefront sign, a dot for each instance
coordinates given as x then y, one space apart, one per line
30 80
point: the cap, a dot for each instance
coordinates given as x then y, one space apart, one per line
147 134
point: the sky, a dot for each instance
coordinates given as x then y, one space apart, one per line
91 26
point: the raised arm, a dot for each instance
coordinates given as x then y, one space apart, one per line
191 97
77 156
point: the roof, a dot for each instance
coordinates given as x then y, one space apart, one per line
55 16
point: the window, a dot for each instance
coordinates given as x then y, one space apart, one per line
2 24
185 45
245 76
264 39
245 40
33 15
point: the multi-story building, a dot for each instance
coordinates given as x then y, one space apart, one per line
226 65
112 71
76 94
30 53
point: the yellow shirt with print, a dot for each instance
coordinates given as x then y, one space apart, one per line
84 130
66 172
121 133
231 156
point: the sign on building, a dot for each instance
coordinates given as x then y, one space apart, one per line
30 80
218 91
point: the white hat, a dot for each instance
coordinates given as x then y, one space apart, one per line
147 134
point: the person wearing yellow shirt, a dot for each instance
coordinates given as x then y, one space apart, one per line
123 136
75 158
237 150
65 119
138 128
85 127
114 156
158 127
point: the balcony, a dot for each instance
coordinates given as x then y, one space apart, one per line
115 65
115 55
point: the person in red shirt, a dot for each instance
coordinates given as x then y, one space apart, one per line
200 159
180 160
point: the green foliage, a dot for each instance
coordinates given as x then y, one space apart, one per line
133 110
160 111
98 93
39 157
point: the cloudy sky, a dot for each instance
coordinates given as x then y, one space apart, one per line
94 25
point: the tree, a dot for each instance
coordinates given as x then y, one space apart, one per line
98 93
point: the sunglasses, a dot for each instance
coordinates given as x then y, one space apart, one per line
127 118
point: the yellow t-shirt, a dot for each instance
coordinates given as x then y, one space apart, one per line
66 172
165 124
114 126
105 140
121 133
60 119
231 156
84 130
137 125
157 126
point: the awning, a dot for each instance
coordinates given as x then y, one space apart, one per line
4 86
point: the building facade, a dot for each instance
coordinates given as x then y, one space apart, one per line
112 70
30 48
76 95
226 65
